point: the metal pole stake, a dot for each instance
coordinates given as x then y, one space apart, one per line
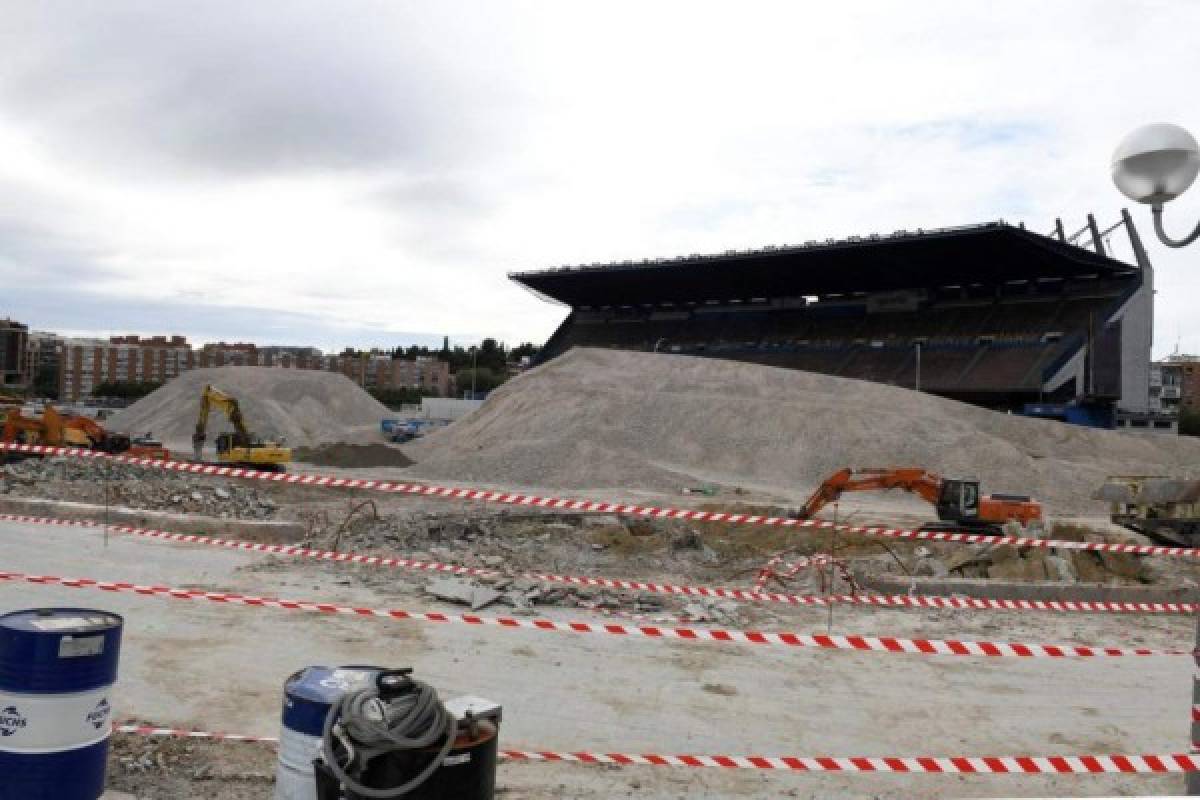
1193 778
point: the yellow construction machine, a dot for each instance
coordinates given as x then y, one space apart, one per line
240 448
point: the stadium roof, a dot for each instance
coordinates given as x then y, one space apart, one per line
992 253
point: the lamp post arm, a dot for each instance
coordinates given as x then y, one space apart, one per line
1157 211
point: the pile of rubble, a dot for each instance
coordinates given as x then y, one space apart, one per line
43 470
524 594
236 502
119 484
508 548
1028 564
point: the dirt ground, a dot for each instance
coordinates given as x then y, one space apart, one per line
639 697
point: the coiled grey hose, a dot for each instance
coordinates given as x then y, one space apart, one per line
412 721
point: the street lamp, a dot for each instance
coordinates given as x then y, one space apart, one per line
1154 165
474 369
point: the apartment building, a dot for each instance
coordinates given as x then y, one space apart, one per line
43 357
88 363
381 371
84 364
1175 384
13 346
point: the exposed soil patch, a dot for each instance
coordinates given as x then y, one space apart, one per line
353 455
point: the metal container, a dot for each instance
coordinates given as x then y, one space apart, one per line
467 773
307 698
57 669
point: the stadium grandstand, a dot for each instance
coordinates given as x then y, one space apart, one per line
990 314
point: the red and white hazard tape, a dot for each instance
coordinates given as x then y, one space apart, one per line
179 733
790 570
747 595
599 507
880 644
982 765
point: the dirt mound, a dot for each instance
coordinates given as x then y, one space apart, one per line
605 418
305 407
353 455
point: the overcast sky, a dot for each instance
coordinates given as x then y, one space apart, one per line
358 173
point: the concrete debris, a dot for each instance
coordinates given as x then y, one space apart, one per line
724 612
452 590
930 567
482 597
1060 569
601 521
688 540
118 484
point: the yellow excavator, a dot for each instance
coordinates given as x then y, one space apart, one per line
240 448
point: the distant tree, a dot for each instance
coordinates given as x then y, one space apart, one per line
525 349
394 398
485 379
126 390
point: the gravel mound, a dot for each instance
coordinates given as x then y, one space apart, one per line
305 407
353 455
605 418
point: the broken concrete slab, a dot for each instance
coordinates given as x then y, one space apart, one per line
483 596
452 590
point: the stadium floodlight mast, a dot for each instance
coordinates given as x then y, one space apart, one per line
1155 164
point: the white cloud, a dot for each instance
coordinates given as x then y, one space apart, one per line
383 166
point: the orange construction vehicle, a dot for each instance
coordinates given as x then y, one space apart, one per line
58 430
957 500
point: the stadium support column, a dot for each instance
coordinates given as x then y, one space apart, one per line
1137 334
918 381
1095 229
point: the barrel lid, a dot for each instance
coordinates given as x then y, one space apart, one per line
48 650
327 684
308 695
60 620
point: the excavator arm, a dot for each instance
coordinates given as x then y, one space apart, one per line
911 479
211 398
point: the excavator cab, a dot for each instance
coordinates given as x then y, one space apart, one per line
958 500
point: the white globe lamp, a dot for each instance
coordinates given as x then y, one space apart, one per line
1155 164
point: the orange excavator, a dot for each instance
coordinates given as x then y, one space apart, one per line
957 500
54 429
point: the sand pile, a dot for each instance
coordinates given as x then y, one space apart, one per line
604 418
306 407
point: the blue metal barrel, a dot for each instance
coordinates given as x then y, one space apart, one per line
307 698
57 669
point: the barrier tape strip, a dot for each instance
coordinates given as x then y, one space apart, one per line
596 506
881 601
879 644
790 570
998 765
